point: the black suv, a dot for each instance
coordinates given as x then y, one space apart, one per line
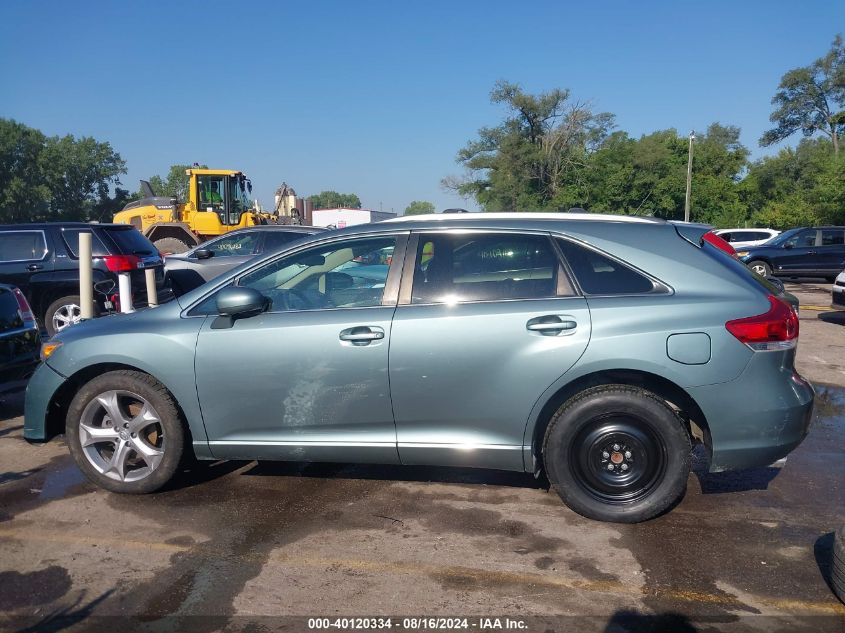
802 252
42 260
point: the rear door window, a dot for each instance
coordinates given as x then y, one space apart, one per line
833 237
454 268
22 246
599 274
275 240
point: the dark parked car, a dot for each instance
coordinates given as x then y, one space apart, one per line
186 271
42 260
578 344
20 342
803 252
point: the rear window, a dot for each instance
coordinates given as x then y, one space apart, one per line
10 318
71 239
17 246
599 274
130 241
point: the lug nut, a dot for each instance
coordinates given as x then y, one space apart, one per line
605 454
610 466
624 466
616 447
627 454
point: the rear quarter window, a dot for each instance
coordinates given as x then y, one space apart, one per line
71 240
599 274
129 241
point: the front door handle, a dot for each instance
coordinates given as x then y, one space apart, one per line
362 334
34 267
551 325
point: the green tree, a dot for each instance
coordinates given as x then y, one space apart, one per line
79 174
811 99
54 178
24 197
334 200
535 158
419 207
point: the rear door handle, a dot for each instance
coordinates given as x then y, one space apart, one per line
34 267
552 325
362 334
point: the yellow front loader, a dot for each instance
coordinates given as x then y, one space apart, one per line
218 202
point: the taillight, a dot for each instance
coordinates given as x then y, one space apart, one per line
775 330
711 238
121 263
23 307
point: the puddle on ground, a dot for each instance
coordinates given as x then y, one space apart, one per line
58 482
830 404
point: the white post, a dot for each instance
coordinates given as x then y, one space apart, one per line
152 293
124 286
86 277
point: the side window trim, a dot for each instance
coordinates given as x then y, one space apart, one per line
564 274
44 254
658 287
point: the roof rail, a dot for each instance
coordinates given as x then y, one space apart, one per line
552 216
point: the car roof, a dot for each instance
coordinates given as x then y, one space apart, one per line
62 225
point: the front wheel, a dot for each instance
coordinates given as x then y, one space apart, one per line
124 432
761 268
617 453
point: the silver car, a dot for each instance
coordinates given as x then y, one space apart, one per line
186 271
598 349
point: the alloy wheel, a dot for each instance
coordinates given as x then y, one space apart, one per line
67 315
121 435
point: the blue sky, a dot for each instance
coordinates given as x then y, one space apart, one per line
376 98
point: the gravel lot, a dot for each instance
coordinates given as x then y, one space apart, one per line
743 551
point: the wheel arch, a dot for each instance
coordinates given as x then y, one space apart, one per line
61 399
688 409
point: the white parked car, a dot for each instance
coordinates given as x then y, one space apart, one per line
743 238
837 293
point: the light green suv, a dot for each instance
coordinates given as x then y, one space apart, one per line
596 348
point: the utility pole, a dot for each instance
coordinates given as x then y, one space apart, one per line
689 177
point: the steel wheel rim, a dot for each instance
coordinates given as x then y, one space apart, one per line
121 435
66 315
759 269
627 444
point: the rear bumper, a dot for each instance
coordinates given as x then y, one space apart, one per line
837 296
42 387
758 418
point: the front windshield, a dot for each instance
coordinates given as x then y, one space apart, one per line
780 239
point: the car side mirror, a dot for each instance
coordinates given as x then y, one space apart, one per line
236 302
788 245
203 253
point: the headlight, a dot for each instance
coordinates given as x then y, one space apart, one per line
48 348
